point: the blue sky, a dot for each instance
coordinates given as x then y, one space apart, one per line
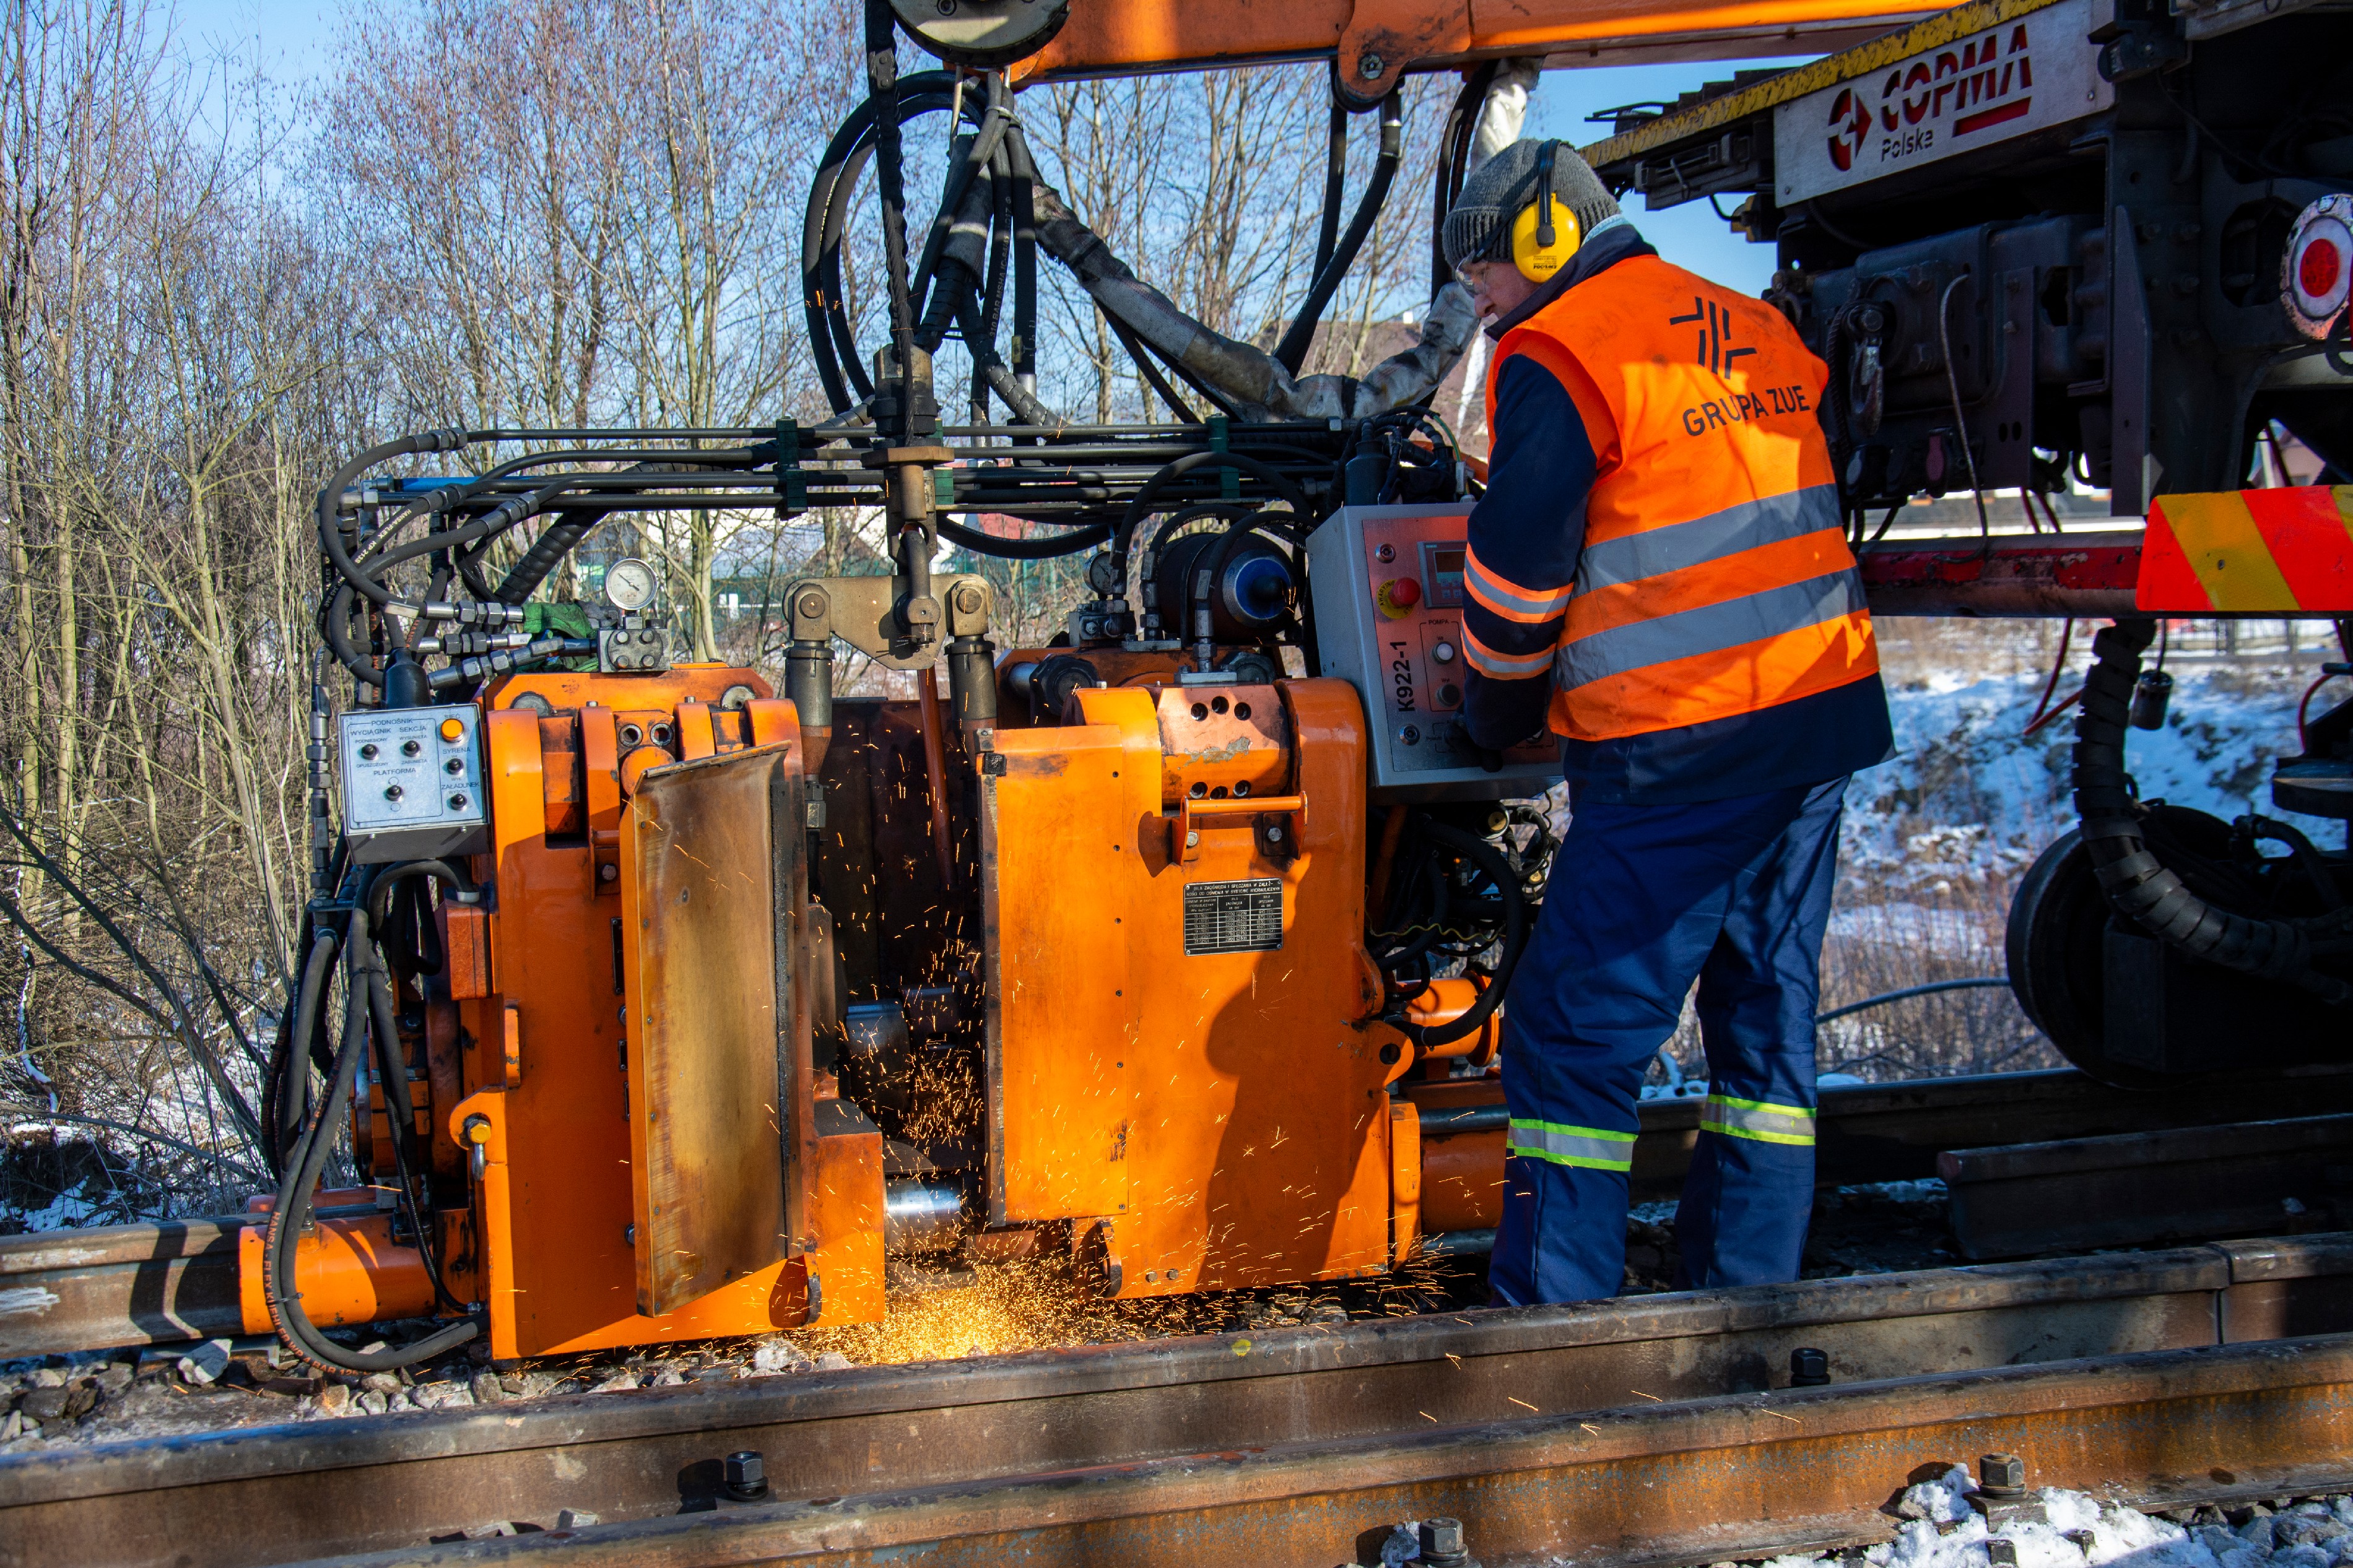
289 39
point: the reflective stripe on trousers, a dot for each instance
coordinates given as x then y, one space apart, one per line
1760 1120
1593 1148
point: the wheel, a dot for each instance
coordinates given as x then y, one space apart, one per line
2058 930
2057 938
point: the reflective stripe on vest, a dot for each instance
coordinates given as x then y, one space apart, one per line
1759 1119
1715 578
1593 1148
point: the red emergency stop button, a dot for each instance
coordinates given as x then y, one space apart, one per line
1397 596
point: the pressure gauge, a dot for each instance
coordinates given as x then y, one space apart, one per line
630 584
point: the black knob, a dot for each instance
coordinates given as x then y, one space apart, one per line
367 753
392 791
745 1478
410 748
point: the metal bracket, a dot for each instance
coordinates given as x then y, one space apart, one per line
1384 36
867 614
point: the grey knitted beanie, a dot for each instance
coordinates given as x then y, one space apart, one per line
1479 226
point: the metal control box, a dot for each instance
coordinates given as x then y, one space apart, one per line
413 783
1389 619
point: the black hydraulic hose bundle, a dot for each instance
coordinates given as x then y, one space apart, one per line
2138 885
1292 351
1514 939
369 1026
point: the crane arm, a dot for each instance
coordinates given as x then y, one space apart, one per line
1378 41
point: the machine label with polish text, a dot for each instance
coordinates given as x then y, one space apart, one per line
1233 917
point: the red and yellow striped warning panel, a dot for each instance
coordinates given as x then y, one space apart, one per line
2260 553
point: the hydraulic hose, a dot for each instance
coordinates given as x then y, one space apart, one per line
363 973
1292 351
1490 859
1455 145
1123 541
890 182
2138 885
289 1098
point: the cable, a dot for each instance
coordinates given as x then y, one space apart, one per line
1960 419
1886 997
2044 712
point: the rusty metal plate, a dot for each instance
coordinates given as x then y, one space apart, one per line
712 880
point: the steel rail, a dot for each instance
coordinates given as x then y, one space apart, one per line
157 1284
1731 1476
394 1482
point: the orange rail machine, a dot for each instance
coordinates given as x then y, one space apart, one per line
673 1006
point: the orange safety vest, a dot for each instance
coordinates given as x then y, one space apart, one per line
1715 578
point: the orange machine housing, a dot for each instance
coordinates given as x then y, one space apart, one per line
1148 950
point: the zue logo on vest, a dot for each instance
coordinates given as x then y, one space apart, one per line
1716 350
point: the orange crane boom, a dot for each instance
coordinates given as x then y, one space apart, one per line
1377 42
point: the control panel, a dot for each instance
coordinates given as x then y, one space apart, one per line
413 783
1389 620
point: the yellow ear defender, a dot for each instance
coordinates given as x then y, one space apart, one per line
1545 234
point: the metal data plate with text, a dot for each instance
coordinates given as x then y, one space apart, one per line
1233 917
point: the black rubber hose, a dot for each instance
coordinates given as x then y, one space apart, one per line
1025 256
330 500
978 153
1292 351
1490 859
890 184
1454 160
290 1065
1335 179
2138 885
546 552
981 543
827 219
294 1199
1149 368
1140 508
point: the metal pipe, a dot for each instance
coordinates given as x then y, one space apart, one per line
921 1214
935 770
1459 1244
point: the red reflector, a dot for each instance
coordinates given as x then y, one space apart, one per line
2319 268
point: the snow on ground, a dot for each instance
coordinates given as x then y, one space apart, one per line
2074 1530
1969 792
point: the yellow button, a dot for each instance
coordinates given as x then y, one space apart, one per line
452 731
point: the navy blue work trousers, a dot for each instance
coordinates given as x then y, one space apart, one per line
1645 899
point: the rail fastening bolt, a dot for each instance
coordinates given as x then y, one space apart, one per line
746 1478
1441 1544
2001 1475
1809 1368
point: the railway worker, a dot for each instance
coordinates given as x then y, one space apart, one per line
1658 571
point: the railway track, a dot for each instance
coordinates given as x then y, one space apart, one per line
1282 1447
156 1284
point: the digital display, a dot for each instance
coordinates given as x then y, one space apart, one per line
1442 565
